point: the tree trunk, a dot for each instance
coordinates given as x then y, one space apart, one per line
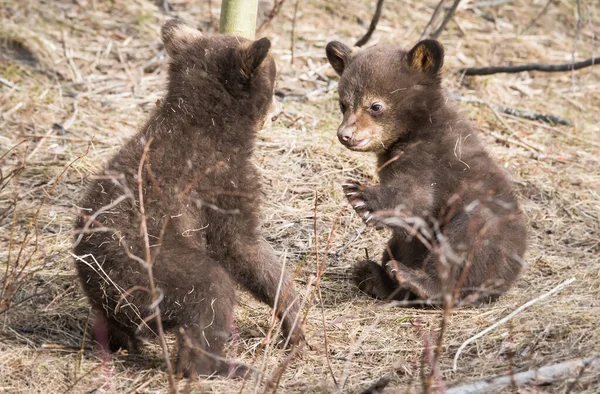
238 18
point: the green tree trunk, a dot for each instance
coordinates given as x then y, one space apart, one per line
238 18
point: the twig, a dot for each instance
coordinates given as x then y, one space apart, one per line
354 238
508 140
320 269
575 39
364 39
534 20
332 85
530 67
508 317
294 30
353 350
148 266
272 14
445 21
433 16
543 375
10 84
551 119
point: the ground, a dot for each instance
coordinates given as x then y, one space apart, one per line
86 72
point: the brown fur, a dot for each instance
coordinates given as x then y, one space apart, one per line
431 165
201 197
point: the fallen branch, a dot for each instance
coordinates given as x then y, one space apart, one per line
364 39
544 375
551 119
530 67
508 317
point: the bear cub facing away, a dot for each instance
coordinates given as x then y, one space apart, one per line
431 168
201 196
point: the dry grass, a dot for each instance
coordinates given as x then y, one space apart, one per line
81 64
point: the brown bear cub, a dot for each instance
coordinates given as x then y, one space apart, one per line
457 229
201 197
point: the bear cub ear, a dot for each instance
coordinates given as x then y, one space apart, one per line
176 35
252 56
427 57
338 55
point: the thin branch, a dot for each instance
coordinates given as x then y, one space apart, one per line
293 40
364 39
433 16
577 30
148 266
320 268
544 375
272 14
445 21
520 113
534 20
508 317
530 67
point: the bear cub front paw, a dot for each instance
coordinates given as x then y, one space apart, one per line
359 197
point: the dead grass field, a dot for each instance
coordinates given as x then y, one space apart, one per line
87 73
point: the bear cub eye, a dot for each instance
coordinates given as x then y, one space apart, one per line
376 109
342 107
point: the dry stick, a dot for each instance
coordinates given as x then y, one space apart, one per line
507 127
364 39
530 67
351 352
294 30
534 20
513 132
546 374
148 266
515 112
272 325
433 16
276 376
508 317
272 14
9 84
446 19
508 140
213 25
319 274
577 29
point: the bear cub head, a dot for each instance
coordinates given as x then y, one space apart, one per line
385 92
217 74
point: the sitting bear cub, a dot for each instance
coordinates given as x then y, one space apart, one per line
201 200
457 229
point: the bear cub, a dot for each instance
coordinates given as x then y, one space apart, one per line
457 230
201 197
